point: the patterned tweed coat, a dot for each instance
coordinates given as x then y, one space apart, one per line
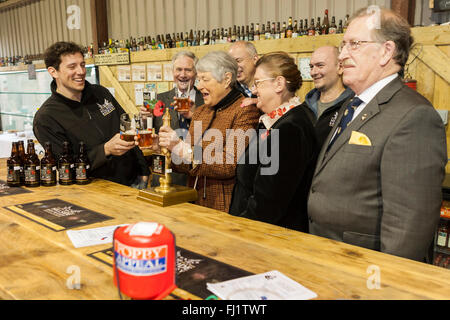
214 177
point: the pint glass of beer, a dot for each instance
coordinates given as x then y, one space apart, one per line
127 127
144 132
182 100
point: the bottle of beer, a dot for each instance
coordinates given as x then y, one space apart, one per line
82 166
238 34
48 167
213 36
262 32
290 29
32 166
247 33
268 34
333 27
325 23
14 166
251 35
273 31
190 40
318 27
256 35
295 31
233 34
311 30
340 28
345 23
65 166
283 31
278 31
22 155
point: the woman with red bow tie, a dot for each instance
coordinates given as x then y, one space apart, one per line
275 188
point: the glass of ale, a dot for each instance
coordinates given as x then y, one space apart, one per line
144 131
182 100
127 127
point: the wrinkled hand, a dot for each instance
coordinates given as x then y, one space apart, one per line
248 102
144 112
168 138
118 147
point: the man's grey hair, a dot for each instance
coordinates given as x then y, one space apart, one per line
250 47
184 53
218 63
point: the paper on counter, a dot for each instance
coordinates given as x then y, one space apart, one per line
92 237
272 285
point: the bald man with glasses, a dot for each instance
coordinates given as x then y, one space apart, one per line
378 178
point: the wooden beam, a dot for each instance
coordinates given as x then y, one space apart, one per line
99 20
107 79
405 8
436 60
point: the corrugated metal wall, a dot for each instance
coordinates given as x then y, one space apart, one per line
150 17
31 28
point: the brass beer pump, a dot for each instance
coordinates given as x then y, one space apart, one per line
166 194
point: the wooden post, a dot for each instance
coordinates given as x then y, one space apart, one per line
99 20
405 8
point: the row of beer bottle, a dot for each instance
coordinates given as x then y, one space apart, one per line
28 170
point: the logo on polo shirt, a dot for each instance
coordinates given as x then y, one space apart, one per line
106 108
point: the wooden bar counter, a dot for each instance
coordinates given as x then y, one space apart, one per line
35 261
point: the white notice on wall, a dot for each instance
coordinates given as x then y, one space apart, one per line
138 73
139 94
124 73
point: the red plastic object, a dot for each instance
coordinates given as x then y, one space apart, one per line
144 261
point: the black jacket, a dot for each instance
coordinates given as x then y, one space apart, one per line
326 120
279 198
94 120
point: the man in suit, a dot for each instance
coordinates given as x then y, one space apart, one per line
378 178
329 93
184 75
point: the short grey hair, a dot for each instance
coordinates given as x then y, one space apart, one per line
250 47
218 63
184 53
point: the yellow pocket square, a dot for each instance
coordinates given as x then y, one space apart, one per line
360 139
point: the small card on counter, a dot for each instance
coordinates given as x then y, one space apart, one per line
272 285
92 237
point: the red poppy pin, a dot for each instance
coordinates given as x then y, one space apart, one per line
158 111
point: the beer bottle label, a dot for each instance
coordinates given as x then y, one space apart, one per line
81 171
48 173
332 31
14 173
65 172
31 172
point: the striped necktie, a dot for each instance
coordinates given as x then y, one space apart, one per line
348 116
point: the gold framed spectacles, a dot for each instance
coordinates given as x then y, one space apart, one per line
354 44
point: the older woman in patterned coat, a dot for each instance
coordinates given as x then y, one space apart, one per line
218 134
